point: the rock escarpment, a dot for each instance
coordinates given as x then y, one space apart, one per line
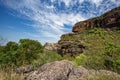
109 20
64 70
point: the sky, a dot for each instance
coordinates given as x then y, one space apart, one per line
47 20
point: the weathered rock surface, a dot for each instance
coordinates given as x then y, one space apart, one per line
52 71
24 69
51 46
68 45
63 70
109 20
72 48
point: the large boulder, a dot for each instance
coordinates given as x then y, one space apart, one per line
65 70
58 70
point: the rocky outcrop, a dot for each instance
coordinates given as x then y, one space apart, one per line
68 44
51 46
109 20
71 47
64 70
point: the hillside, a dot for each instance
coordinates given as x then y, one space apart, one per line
105 25
95 43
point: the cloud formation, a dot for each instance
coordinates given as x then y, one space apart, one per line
50 17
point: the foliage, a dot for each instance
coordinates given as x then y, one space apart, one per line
102 49
47 56
26 52
8 53
68 57
20 54
80 59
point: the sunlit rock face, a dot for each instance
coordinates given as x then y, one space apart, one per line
51 46
109 20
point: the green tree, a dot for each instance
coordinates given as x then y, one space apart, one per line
11 46
8 53
28 51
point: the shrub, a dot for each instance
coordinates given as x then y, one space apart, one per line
45 57
20 54
79 60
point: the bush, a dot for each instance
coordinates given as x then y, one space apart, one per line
79 60
45 57
20 54
26 52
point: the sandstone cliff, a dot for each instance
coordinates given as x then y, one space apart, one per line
109 20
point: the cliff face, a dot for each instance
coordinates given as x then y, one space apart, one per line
109 20
76 41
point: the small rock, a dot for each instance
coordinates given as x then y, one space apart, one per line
24 69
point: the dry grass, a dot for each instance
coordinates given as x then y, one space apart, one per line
9 75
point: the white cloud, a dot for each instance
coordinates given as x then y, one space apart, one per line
47 21
67 2
81 1
117 2
97 2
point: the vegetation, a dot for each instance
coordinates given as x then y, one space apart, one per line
102 49
8 74
102 76
26 52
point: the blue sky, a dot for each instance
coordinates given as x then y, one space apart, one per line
47 20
